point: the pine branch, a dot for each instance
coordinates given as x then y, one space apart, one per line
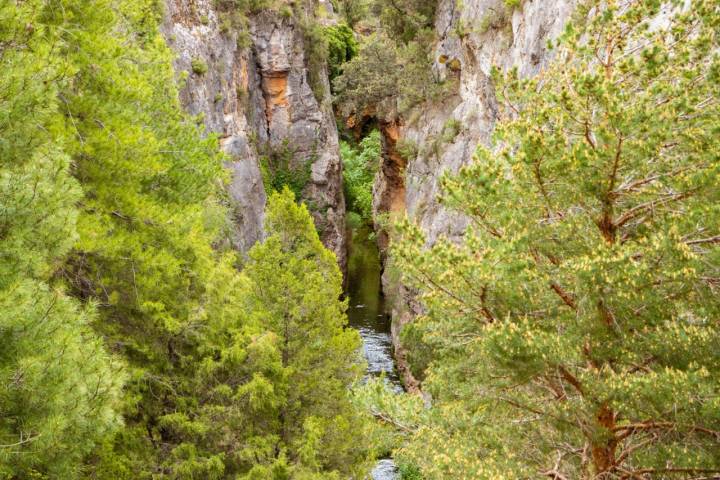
639 209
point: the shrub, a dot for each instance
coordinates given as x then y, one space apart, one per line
342 47
353 11
316 56
407 149
359 167
386 76
409 471
199 67
451 129
279 169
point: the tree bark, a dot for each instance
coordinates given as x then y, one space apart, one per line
603 451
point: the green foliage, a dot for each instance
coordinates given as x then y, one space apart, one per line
292 290
408 149
397 415
451 130
405 20
359 168
280 169
199 67
353 11
271 381
409 471
385 77
59 384
370 79
418 353
574 329
392 71
572 333
221 379
143 252
217 387
59 387
233 17
317 51
342 47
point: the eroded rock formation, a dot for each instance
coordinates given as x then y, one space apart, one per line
251 88
446 135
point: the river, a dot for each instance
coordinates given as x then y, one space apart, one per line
367 314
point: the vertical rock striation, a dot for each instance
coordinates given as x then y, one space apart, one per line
297 120
251 89
472 36
228 98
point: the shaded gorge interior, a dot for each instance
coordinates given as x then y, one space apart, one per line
367 314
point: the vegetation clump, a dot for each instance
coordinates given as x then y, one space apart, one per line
280 168
342 47
360 164
573 330
391 72
352 11
199 67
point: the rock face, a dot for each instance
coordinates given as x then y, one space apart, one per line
297 121
447 134
258 100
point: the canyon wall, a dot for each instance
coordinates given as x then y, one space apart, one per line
250 85
472 36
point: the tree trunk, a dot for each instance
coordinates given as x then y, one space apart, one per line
603 450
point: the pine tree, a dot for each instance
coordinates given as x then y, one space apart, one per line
59 387
575 328
292 289
148 221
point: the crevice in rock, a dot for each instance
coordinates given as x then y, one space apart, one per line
389 190
274 85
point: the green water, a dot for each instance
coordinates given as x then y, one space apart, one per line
367 306
367 314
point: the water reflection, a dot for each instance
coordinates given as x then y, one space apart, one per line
367 307
367 314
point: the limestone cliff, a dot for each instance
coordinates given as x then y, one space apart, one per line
472 36
250 85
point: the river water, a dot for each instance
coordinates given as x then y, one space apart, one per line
366 313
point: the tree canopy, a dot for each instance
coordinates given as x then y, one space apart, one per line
58 383
574 329
132 345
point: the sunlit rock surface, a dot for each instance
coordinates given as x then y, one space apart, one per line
491 35
257 98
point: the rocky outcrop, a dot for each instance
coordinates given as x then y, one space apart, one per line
472 36
446 135
389 187
298 121
250 86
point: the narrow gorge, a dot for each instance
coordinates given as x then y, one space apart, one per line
359 239
255 91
